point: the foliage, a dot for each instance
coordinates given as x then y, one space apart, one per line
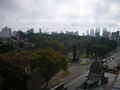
64 43
17 68
100 50
6 47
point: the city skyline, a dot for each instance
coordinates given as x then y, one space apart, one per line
60 14
86 32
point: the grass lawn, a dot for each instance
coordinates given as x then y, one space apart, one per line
85 56
64 74
86 63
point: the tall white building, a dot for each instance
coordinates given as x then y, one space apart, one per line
92 33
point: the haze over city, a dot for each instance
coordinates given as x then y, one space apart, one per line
57 15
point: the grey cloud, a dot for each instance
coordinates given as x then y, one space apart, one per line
115 17
8 5
43 12
102 8
113 1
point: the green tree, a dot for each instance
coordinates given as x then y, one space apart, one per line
5 48
100 50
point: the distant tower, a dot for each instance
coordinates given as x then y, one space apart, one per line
67 32
97 32
87 33
31 30
92 32
76 33
83 34
114 36
40 31
7 30
118 37
104 34
61 32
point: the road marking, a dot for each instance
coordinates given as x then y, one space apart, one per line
76 79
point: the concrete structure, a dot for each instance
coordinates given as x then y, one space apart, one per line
116 36
76 33
14 33
87 33
6 32
104 34
113 37
40 31
92 33
109 35
72 33
54 32
61 32
83 34
97 32
31 30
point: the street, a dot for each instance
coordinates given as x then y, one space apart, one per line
80 79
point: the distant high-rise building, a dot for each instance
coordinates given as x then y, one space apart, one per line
54 32
83 34
109 35
76 33
92 33
116 36
87 33
40 31
14 33
67 32
6 32
61 32
113 37
97 32
72 33
104 34
104 29
31 30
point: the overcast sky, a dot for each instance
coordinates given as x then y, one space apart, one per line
60 14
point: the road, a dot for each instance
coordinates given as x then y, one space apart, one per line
77 75
75 71
115 61
80 80
75 83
